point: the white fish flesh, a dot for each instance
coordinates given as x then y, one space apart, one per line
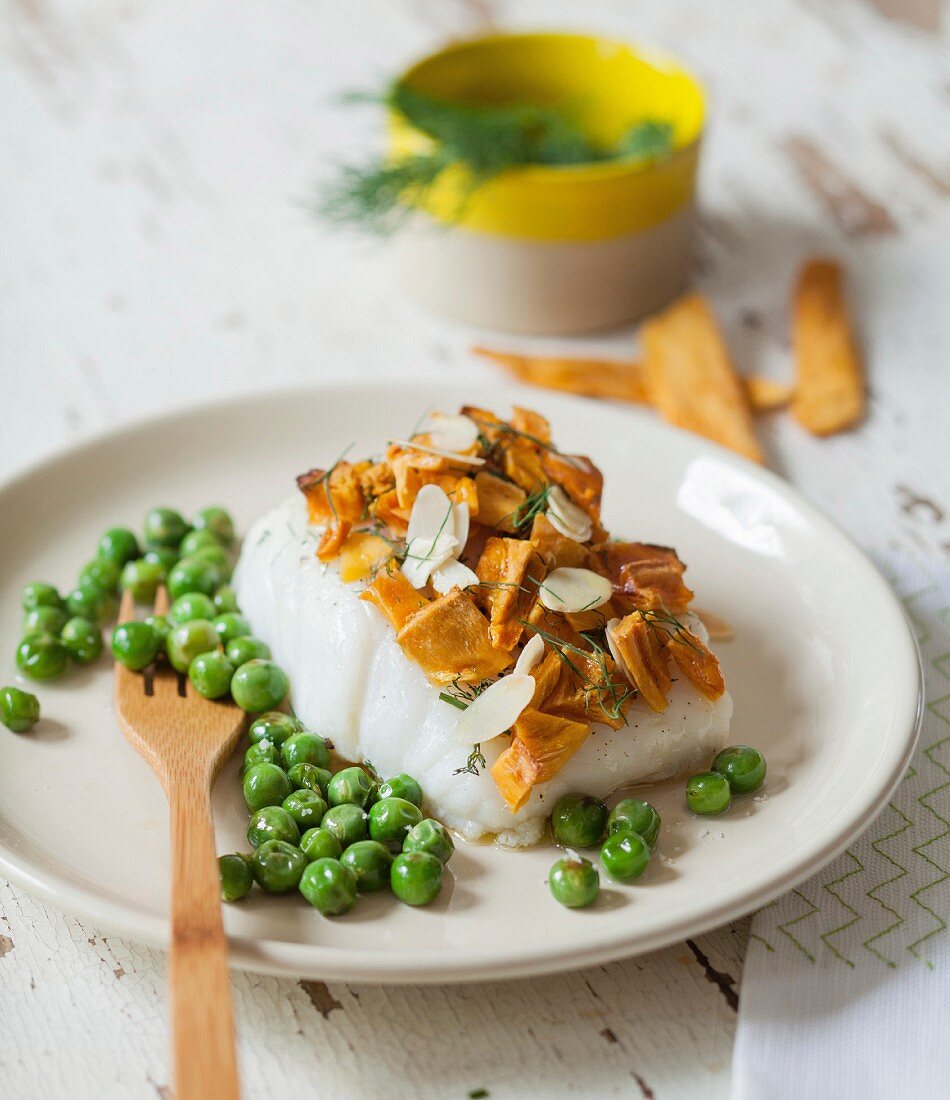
351 682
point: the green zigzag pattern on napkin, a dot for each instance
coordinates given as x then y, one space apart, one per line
899 920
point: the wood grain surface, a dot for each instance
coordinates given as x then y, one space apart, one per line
157 249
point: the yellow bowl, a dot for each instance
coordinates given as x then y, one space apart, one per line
559 248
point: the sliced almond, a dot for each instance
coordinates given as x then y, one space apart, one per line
452 574
565 516
453 456
430 539
569 589
612 624
460 519
530 656
496 710
425 556
455 434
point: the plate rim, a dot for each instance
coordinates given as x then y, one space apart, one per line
414 967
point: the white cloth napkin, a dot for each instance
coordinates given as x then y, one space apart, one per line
846 988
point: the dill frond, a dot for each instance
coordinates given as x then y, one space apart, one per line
380 195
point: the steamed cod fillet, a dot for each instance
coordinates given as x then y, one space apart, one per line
351 682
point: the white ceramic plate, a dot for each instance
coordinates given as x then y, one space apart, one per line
823 671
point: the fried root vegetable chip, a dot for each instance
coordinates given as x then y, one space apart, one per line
691 379
498 501
335 500
640 648
361 554
531 423
588 689
394 596
556 550
829 384
766 395
521 461
697 663
587 377
542 744
645 576
578 477
503 571
387 510
449 640
546 675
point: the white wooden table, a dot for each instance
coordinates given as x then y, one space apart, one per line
154 250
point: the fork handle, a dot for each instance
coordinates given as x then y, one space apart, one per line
202 1014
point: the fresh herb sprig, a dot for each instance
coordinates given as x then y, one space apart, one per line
603 692
485 140
475 761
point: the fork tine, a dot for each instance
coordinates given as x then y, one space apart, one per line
161 600
127 607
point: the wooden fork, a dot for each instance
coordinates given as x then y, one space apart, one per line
185 738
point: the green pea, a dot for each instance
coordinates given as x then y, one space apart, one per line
743 767
329 886
218 557
195 541
246 648
305 748
160 624
231 625
41 594
625 855
45 618
83 639
708 793
237 877
401 786
311 777
41 656
351 785
19 710
578 820
305 807
320 843
210 674
390 820
91 603
574 882
370 863
271 823
432 837
193 574
217 521
142 579
416 877
191 606
135 645
262 752
274 726
185 642
278 866
108 599
637 816
164 556
118 545
101 573
259 685
265 785
346 822
225 599
165 526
